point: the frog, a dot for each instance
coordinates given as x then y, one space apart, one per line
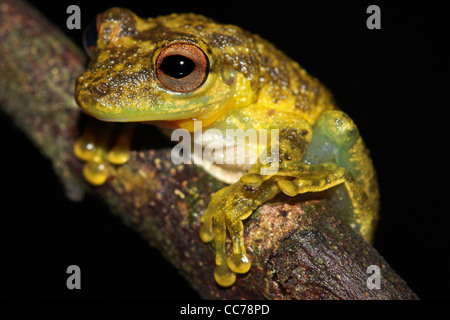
189 72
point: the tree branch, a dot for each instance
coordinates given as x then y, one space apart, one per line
299 249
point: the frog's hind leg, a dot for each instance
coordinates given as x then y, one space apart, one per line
320 177
336 139
335 155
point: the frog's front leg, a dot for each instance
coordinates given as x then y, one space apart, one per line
228 207
335 155
93 148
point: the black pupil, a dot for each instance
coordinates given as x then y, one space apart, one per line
177 66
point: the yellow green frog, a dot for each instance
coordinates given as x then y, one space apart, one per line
174 70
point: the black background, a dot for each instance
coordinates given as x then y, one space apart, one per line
392 82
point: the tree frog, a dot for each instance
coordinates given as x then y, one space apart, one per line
174 70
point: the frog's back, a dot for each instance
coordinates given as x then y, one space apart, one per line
280 81
287 80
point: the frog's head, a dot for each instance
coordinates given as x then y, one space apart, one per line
176 68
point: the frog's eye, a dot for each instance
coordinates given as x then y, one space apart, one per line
182 67
90 35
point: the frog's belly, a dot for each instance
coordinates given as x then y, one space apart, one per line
225 159
227 173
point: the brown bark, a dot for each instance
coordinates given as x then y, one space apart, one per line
299 248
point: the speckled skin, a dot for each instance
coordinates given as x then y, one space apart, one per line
120 83
250 85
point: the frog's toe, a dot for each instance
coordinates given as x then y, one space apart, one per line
288 187
214 227
224 276
95 173
252 179
93 148
85 147
206 228
120 153
255 180
214 208
239 262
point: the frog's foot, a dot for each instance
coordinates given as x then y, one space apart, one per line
228 207
295 178
93 148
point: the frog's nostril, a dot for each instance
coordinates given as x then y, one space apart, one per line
101 88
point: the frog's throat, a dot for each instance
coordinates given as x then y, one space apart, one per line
183 120
206 120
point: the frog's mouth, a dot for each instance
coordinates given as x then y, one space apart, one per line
143 109
169 116
133 115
